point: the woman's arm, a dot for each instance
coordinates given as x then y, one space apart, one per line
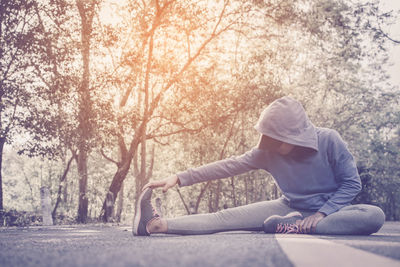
215 170
346 174
221 169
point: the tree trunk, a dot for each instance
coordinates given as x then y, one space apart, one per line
65 195
200 197
120 175
210 197
120 203
183 202
46 205
61 186
2 142
110 198
141 178
115 187
86 11
83 177
246 188
217 195
233 191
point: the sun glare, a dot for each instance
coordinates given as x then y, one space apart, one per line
109 13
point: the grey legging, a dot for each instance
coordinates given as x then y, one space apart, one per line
351 220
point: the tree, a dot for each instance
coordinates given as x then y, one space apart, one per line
159 63
17 32
86 11
51 123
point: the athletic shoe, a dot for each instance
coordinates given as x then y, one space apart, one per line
144 214
283 224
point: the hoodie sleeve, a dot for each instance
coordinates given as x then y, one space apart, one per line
221 169
346 175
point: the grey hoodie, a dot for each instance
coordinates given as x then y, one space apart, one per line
319 174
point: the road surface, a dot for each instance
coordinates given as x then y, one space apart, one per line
107 245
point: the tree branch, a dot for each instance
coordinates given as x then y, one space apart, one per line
62 179
108 158
212 36
183 201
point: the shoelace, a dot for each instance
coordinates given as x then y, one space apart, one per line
155 217
155 214
287 228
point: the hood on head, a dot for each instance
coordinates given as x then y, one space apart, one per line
286 120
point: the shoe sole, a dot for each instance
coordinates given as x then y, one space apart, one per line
138 215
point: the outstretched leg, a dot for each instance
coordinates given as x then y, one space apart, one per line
248 217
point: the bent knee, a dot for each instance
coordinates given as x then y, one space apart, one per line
369 218
374 218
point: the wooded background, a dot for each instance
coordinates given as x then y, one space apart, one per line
99 97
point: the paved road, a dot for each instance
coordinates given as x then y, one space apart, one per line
99 245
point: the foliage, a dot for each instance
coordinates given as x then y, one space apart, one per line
20 219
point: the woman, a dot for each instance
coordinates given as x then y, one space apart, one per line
312 166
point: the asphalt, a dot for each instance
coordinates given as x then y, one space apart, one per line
111 245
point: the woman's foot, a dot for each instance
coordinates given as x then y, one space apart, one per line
283 224
145 214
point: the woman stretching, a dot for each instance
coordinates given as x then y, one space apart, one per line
312 166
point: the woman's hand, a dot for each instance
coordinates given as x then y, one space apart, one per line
166 183
309 224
